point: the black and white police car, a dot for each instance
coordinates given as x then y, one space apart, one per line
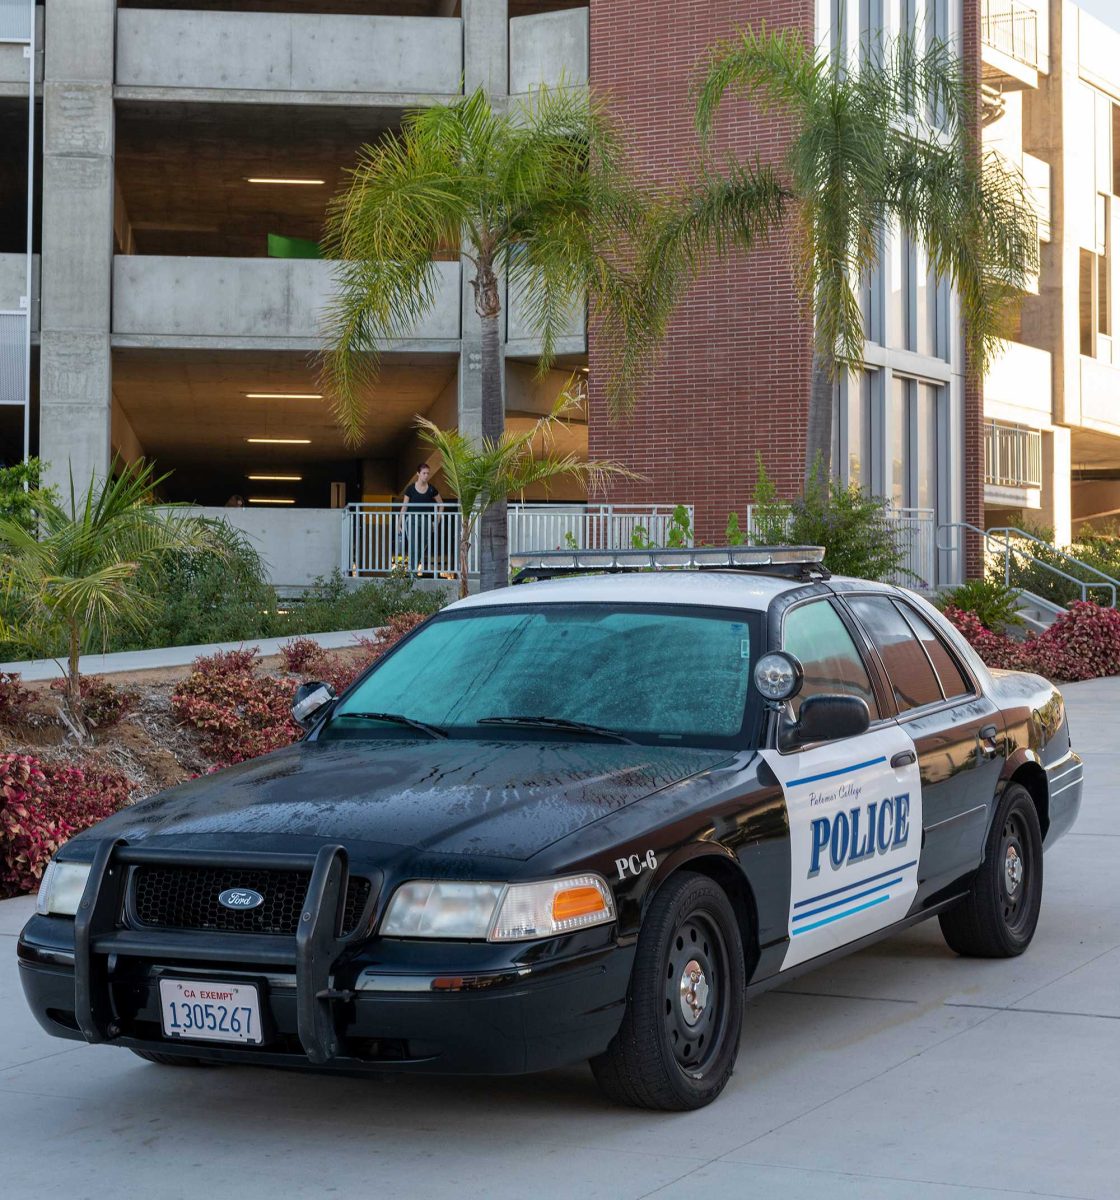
576 819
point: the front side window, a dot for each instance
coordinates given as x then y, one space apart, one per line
655 674
907 666
816 635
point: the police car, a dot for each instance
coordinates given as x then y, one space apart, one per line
576 819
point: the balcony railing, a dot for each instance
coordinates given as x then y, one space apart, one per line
1012 456
1011 28
375 538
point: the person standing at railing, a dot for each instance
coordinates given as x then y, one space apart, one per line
421 508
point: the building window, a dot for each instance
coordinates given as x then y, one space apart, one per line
912 443
1085 301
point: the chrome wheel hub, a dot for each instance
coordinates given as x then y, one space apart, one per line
694 992
1012 869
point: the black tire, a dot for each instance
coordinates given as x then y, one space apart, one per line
170 1060
998 917
676 1049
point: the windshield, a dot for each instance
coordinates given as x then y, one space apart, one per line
677 675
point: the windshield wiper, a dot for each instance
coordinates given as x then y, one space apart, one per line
557 723
397 719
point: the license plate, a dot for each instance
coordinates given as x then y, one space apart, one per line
205 1011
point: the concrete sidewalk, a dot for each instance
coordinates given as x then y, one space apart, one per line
173 656
902 1073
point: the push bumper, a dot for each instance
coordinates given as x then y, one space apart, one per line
342 1004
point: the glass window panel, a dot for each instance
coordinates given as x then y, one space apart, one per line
899 440
907 667
925 426
816 635
954 682
925 305
897 272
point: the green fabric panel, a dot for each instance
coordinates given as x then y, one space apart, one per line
280 246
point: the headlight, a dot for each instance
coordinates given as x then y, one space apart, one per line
497 912
62 888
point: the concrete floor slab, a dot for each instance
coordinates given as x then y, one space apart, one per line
901 1073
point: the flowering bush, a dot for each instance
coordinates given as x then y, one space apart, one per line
238 713
1083 643
103 705
41 806
14 699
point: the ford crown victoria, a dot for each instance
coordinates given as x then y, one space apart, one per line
576 819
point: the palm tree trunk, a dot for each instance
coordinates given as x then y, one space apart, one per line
493 561
74 680
818 435
464 553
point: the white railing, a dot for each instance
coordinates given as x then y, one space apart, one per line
1011 28
1012 456
915 534
375 538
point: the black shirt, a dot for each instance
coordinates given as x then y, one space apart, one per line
421 499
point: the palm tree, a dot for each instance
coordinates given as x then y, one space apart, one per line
481 477
886 138
77 577
538 193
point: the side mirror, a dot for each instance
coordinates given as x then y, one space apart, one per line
829 718
309 701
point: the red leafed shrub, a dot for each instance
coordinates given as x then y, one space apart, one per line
303 656
239 714
1089 637
103 705
14 699
1083 643
41 806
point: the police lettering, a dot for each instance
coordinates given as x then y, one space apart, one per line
857 834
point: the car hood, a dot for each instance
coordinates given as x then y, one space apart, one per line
506 799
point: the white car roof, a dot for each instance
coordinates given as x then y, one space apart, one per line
715 589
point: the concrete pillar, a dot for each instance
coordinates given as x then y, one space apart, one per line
77 260
485 65
1057 509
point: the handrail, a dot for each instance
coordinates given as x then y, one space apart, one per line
1004 545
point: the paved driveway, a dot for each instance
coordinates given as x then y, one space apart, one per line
903 1072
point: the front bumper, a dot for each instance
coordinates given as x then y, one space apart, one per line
443 1008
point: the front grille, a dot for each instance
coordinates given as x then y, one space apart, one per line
173 897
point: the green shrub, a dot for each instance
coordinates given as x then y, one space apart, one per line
20 489
854 529
992 602
331 604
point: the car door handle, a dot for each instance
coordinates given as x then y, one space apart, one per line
904 758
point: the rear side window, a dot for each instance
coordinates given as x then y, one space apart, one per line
908 668
818 637
954 683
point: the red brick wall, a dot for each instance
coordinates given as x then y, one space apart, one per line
734 378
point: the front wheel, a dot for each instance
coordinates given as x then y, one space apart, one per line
680 1034
998 917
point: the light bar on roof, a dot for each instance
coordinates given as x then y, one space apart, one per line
660 560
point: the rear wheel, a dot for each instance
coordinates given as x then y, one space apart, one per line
998 917
680 1035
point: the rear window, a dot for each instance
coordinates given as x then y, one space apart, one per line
954 682
908 668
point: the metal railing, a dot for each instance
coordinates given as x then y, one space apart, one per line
1011 28
376 538
1002 540
1012 456
914 530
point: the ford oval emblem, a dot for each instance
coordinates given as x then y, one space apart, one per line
239 898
